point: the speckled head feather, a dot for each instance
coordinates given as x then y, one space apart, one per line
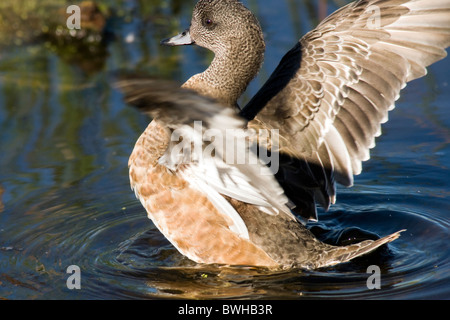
232 32
222 25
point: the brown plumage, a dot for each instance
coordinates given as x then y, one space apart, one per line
327 99
184 215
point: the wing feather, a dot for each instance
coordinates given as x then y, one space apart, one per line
330 103
204 158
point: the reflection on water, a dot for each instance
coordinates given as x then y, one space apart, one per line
66 137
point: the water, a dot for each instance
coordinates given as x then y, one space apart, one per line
66 137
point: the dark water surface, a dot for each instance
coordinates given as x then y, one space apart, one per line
66 137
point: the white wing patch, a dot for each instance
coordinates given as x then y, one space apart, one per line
216 158
214 178
222 205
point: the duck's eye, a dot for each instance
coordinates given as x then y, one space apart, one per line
208 22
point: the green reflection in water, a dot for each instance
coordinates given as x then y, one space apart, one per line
66 137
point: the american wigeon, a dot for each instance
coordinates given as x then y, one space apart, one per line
324 104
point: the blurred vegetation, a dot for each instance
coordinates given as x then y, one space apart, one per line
58 111
21 20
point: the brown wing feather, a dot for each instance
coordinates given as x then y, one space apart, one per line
352 68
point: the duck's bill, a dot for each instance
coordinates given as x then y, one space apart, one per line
181 39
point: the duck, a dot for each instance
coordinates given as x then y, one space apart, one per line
320 112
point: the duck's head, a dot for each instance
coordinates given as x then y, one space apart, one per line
233 33
221 25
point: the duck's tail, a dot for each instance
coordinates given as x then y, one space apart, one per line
347 253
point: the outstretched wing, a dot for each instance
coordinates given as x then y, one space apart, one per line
214 154
174 106
330 94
